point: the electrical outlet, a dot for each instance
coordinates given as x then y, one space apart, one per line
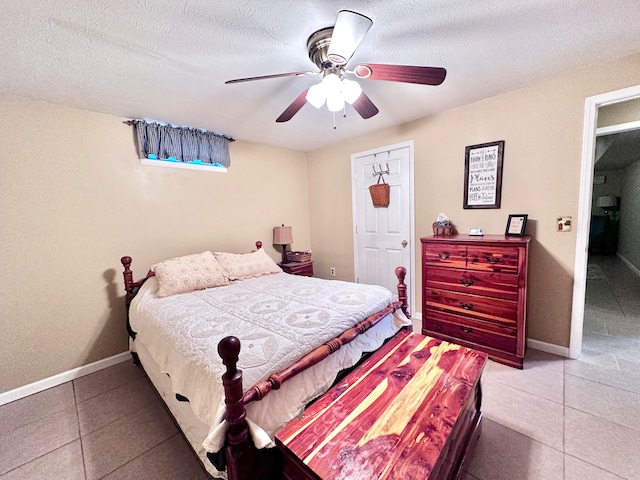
332 271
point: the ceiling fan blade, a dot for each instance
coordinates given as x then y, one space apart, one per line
275 75
348 32
364 106
401 73
292 109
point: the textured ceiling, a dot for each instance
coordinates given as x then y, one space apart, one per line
167 59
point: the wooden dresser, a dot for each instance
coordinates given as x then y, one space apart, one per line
411 411
474 292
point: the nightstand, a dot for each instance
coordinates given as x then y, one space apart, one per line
298 268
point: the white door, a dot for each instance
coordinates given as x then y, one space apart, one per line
383 237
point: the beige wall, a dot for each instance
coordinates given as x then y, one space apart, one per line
542 127
629 240
75 199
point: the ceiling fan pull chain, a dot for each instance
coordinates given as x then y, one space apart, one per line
334 120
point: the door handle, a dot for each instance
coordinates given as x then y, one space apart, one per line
404 243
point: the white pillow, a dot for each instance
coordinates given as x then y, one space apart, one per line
238 266
189 273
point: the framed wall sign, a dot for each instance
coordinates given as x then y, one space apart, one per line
483 175
516 223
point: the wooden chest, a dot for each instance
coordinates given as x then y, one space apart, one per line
474 292
410 411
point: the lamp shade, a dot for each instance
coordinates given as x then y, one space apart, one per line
607 201
282 235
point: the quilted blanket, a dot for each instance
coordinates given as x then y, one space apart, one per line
278 319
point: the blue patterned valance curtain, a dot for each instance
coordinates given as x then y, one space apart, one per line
181 144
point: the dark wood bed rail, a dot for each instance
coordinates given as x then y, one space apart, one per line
275 380
240 452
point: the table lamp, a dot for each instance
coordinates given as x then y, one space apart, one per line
607 202
282 236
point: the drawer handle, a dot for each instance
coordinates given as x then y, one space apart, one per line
443 255
466 329
492 260
466 306
466 283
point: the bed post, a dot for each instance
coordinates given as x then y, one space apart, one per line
401 272
128 279
239 452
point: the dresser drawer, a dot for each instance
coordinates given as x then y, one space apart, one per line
491 309
468 330
491 284
445 255
495 259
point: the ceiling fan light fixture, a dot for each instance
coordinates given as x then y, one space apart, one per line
333 90
335 102
351 90
331 83
316 95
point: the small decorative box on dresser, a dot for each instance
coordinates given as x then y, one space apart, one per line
474 292
298 268
411 411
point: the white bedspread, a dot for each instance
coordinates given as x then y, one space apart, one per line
278 319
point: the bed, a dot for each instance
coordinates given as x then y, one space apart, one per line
236 348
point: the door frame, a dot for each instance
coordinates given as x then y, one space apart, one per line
584 207
411 280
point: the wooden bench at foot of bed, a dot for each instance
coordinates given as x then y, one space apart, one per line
410 411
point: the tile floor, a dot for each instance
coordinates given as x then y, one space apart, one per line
555 419
571 419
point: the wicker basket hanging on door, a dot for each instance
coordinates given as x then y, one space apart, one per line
380 193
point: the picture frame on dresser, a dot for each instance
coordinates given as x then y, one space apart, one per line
483 175
516 225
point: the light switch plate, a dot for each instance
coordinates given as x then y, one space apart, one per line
563 224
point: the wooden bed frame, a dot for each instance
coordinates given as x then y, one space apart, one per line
243 460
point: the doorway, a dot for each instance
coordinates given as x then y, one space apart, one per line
384 236
592 104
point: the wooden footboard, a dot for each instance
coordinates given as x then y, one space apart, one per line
240 452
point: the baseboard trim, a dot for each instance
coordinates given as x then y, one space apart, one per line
631 266
534 344
59 379
548 347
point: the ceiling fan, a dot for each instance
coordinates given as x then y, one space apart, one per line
330 49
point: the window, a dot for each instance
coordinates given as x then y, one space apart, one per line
184 147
